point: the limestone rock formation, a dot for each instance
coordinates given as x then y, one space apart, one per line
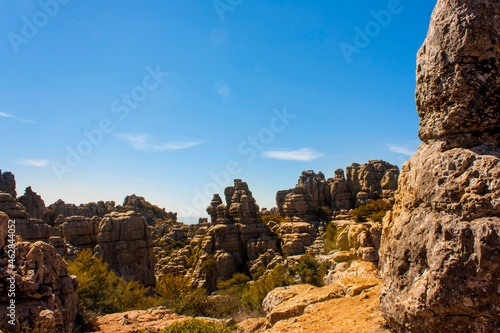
124 242
237 238
458 70
150 212
34 204
79 231
299 206
60 208
362 183
29 229
297 236
45 293
8 183
440 248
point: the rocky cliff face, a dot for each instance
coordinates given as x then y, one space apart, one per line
44 292
440 257
360 184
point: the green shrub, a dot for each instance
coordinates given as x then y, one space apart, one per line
102 291
171 289
193 304
310 271
257 291
197 326
235 285
331 235
375 210
276 218
209 265
324 213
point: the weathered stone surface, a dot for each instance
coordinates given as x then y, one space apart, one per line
124 242
299 206
150 212
363 183
296 236
29 229
444 230
296 305
440 255
281 294
80 231
60 208
34 204
8 183
458 72
152 320
236 239
339 315
45 292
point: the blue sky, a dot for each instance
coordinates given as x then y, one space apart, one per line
172 99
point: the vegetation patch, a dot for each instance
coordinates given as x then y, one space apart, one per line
198 326
102 291
374 211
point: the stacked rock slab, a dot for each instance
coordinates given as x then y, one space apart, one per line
8 183
361 184
440 253
34 204
236 238
45 294
124 242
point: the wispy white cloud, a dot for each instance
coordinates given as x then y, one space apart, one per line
222 89
405 150
35 163
8 115
141 142
303 154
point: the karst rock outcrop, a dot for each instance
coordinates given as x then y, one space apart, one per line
234 242
8 183
440 252
360 184
124 242
45 295
34 204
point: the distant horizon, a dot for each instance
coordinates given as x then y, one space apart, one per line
172 101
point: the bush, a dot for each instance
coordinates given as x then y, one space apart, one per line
197 326
324 213
374 210
235 285
257 291
310 271
102 291
276 218
331 235
171 289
